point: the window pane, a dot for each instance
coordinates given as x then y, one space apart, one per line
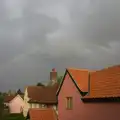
69 103
30 105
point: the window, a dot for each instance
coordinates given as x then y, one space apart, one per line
30 105
69 102
34 105
43 106
39 105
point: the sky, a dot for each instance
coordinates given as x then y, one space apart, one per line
38 35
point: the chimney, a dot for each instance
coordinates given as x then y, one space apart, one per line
53 76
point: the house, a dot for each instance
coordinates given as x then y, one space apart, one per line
41 96
90 95
14 103
42 114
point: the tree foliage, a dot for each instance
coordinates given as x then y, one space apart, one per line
59 79
10 92
1 107
19 92
40 84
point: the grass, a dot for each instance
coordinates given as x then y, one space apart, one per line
4 115
14 117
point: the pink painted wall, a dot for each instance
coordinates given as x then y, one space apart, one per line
84 111
16 104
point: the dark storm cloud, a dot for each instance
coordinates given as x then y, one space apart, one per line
36 35
98 21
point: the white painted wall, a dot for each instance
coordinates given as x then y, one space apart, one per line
35 105
26 104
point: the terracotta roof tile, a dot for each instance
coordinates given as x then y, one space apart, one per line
81 77
105 83
42 94
8 98
42 114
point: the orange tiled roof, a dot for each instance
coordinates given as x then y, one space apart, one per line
81 77
105 83
42 114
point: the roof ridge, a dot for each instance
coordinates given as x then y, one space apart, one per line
107 68
35 86
42 86
78 69
41 109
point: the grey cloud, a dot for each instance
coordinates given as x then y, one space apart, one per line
98 22
39 39
17 39
18 34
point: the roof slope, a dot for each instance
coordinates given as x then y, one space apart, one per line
105 83
80 76
42 94
8 98
42 114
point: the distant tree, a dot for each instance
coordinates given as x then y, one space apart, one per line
19 91
1 107
40 84
4 93
1 99
9 92
59 79
14 92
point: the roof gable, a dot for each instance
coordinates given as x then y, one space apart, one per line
79 78
17 96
